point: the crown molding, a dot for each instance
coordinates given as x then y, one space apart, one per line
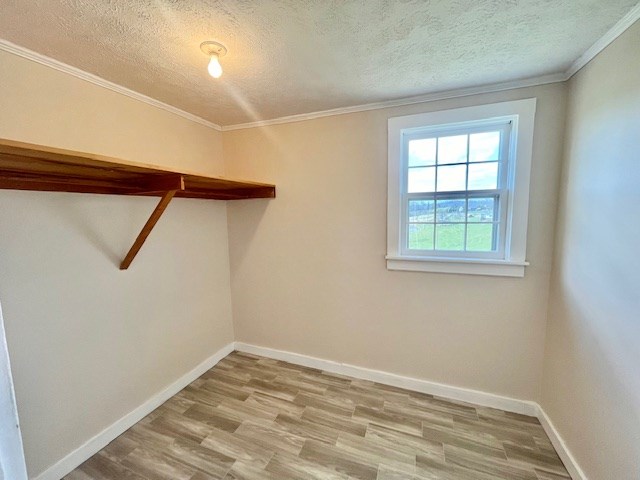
604 41
430 97
23 52
618 29
14 49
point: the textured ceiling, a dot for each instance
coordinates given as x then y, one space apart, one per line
297 56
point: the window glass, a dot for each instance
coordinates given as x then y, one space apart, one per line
480 237
483 176
458 189
484 147
445 174
481 209
422 152
452 149
450 236
451 210
421 236
421 179
421 210
451 178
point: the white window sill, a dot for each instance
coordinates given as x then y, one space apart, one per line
498 268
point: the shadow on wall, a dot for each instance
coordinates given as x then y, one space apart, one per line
252 213
80 220
591 370
100 221
599 303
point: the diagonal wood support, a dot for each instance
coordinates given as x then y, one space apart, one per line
153 219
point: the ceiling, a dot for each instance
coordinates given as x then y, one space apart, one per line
298 56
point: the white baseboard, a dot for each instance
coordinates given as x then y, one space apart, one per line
558 443
485 399
102 439
424 386
95 444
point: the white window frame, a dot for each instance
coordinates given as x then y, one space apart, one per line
510 260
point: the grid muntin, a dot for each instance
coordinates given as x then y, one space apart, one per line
448 196
437 165
496 194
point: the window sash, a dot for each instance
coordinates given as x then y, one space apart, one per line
501 193
521 115
500 220
443 131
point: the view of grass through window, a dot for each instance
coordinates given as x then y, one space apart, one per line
453 198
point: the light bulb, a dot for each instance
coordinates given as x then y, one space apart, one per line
215 69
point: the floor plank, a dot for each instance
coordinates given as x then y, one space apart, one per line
254 418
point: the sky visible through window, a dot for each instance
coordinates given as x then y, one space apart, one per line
441 219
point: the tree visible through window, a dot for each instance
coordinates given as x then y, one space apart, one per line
455 189
458 189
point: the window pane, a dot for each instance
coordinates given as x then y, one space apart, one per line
480 237
481 210
484 147
422 152
452 178
421 210
422 179
452 149
450 236
451 210
421 237
483 176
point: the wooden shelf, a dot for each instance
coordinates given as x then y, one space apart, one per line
26 166
33 167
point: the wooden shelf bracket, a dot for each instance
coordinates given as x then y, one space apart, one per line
178 182
26 166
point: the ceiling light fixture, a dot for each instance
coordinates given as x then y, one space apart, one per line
215 50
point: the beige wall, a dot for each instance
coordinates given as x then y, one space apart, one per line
592 363
308 269
88 342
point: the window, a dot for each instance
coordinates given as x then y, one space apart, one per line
459 189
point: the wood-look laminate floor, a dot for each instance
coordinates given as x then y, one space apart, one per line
255 418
